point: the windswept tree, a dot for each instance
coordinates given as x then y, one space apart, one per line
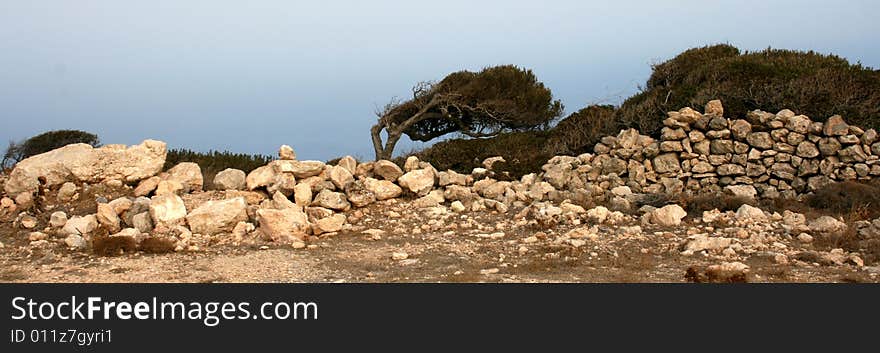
474 104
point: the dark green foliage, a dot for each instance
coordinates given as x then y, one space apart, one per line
45 142
806 82
500 97
523 151
580 131
214 161
475 104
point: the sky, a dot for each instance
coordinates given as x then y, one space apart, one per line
248 76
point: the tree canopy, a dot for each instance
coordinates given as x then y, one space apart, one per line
474 104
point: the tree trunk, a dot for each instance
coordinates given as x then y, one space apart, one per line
386 151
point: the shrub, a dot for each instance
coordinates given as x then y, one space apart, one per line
848 198
695 205
808 83
214 161
45 142
580 131
523 152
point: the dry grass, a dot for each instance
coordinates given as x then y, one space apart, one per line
695 205
155 245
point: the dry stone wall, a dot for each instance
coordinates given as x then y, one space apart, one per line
761 155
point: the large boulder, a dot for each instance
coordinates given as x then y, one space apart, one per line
383 189
83 163
260 177
332 200
283 225
419 181
230 179
669 215
188 174
167 209
214 217
387 170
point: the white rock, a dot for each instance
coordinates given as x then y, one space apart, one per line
188 174
750 213
286 152
75 241
457 206
330 224
827 224
167 209
805 238
669 215
418 181
214 217
399 255
332 200
80 225
598 214
230 179
83 163
107 217
283 225
58 219
621 191
302 195
341 177
67 192
383 189
387 170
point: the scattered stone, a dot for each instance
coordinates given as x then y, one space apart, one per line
230 179
668 216
221 216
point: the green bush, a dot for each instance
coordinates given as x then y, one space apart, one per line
808 83
215 161
523 152
580 131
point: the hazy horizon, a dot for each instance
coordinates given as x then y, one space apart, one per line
249 77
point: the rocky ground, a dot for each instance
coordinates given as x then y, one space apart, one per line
636 210
396 241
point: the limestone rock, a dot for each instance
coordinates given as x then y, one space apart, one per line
330 224
84 163
418 181
107 217
750 213
827 224
230 179
189 175
80 225
387 170
283 225
332 200
167 209
340 177
383 189
835 126
67 192
260 177
669 215
286 152
58 219
220 216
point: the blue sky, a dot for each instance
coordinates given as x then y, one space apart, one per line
248 76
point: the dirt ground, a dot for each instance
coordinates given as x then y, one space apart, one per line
522 254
